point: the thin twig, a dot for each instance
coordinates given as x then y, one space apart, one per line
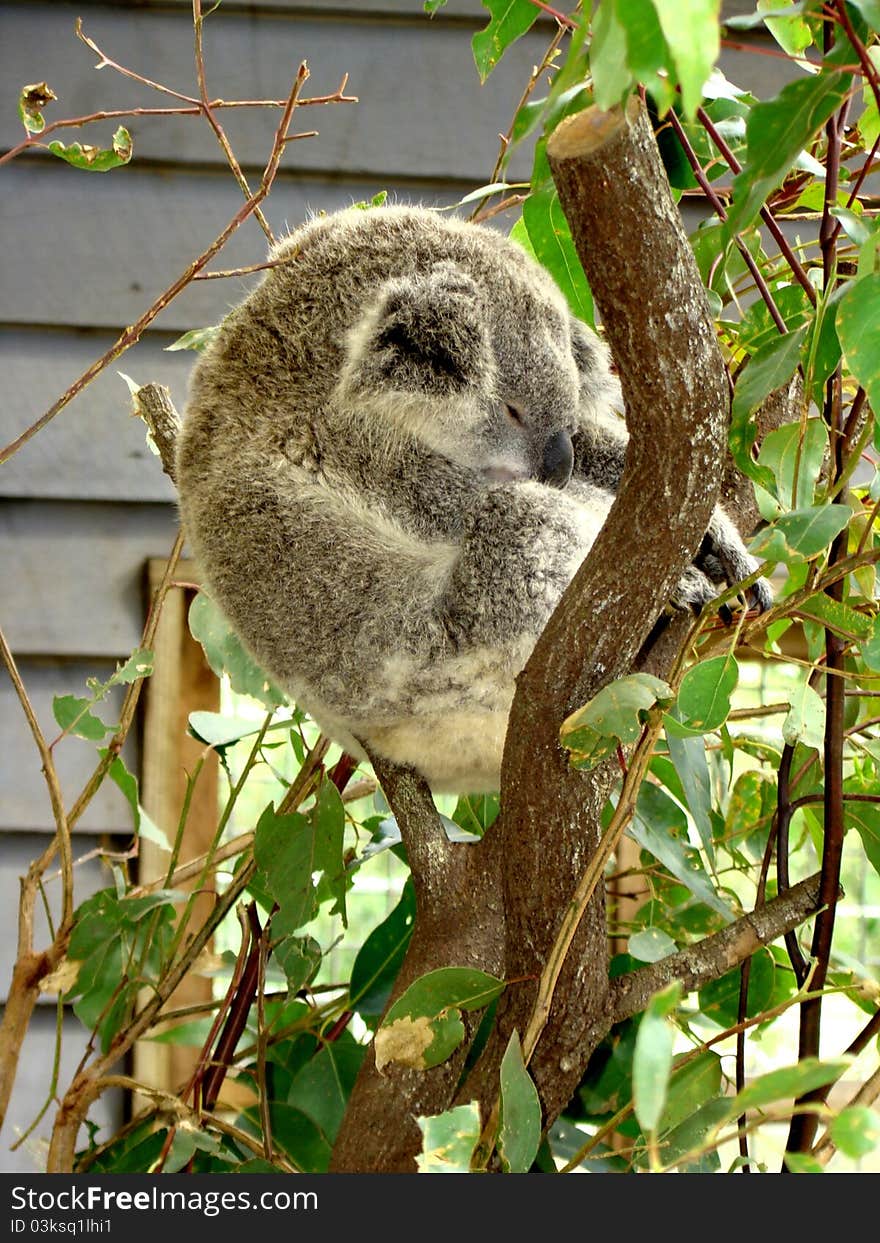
133 334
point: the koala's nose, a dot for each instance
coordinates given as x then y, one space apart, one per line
558 460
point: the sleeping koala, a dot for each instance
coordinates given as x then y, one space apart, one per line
395 455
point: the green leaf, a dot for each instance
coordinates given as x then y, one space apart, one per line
612 77
218 729
226 655
509 19
769 368
787 1083
839 617
285 854
520 1131
864 817
424 1025
660 826
475 813
187 1141
323 1086
777 132
299 959
613 717
95 159
298 1136
449 1140
858 327
693 1132
802 534
691 30
795 455
197 339
74 717
379 958
704 696
871 648
128 784
870 11
791 32
719 1000
803 1163
647 51
327 818
690 1087
652 1059
805 721
688 756
651 944
31 101
856 1131
552 245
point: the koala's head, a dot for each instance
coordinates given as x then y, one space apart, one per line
477 358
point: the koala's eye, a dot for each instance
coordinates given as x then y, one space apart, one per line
514 414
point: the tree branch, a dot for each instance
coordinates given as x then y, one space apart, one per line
714 956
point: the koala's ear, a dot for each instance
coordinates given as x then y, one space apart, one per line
425 333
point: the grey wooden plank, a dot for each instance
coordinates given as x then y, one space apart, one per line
127 236
31 1088
75 574
17 851
93 450
24 800
422 111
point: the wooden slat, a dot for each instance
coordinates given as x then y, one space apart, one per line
93 450
24 803
75 572
182 683
127 236
32 1086
17 851
422 111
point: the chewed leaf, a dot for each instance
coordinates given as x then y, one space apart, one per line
509 19
95 159
31 101
419 1043
424 1025
448 1140
74 717
225 653
613 717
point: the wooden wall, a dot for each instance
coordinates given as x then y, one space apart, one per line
85 505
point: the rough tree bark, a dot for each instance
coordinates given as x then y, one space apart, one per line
499 903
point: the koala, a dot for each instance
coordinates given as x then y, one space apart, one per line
395 455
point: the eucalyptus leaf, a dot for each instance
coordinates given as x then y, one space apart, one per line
449 1140
520 1129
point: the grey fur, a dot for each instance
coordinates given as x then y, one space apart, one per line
365 473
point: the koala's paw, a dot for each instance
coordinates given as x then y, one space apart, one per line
695 590
723 559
